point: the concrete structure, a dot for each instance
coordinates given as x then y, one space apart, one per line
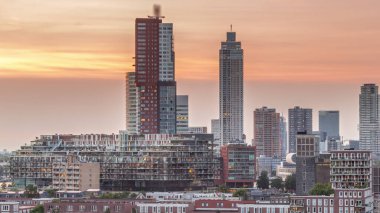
89 205
140 162
9 207
329 125
132 104
238 165
354 144
369 126
318 203
182 114
215 130
307 151
267 132
283 137
72 175
231 90
154 63
198 130
300 120
285 169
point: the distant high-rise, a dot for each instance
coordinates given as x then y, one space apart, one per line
300 120
369 118
154 63
215 130
267 132
182 114
283 137
231 90
329 125
132 106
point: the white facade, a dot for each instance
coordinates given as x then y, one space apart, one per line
369 118
231 90
215 130
132 104
166 51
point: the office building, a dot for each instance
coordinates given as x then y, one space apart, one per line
329 125
198 130
132 104
182 114
300 120
267 132
238 165
154 64
369 118
231 90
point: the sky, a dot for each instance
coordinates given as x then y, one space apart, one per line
63 62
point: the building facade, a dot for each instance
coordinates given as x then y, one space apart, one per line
155 75
238 165
283 137
329 125
231 90
198 130
132 104
215 130
182 114
267 132
369 118
300 120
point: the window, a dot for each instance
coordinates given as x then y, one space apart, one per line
359 194
82 208
5 208
94 208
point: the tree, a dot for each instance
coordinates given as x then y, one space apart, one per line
242 193
3 185
31 191
322 189
263 181
277 183
51 192
290 183
38 209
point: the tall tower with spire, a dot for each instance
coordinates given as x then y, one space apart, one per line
231 90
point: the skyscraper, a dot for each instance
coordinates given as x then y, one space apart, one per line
329 125
182 114
132 106
267 132
369 118
215 130
231 90
300 120
154 63
283 137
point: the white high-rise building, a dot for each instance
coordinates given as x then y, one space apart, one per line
132 104
215 130
166 51
231 90
369 118
182 114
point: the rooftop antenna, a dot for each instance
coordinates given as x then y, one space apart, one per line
156 12
231 27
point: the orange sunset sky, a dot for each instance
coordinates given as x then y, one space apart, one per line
62 62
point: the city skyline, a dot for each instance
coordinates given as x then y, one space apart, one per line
49 100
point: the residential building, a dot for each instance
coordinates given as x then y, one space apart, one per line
132 104
154 66
231 90
72 175
267 132
351 178
300 120
215 130
312 203
198 130
140 162
238 165
369 118
182 114
283 137
89 205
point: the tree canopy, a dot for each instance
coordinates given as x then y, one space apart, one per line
322 189
290 183
263 181
277 183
